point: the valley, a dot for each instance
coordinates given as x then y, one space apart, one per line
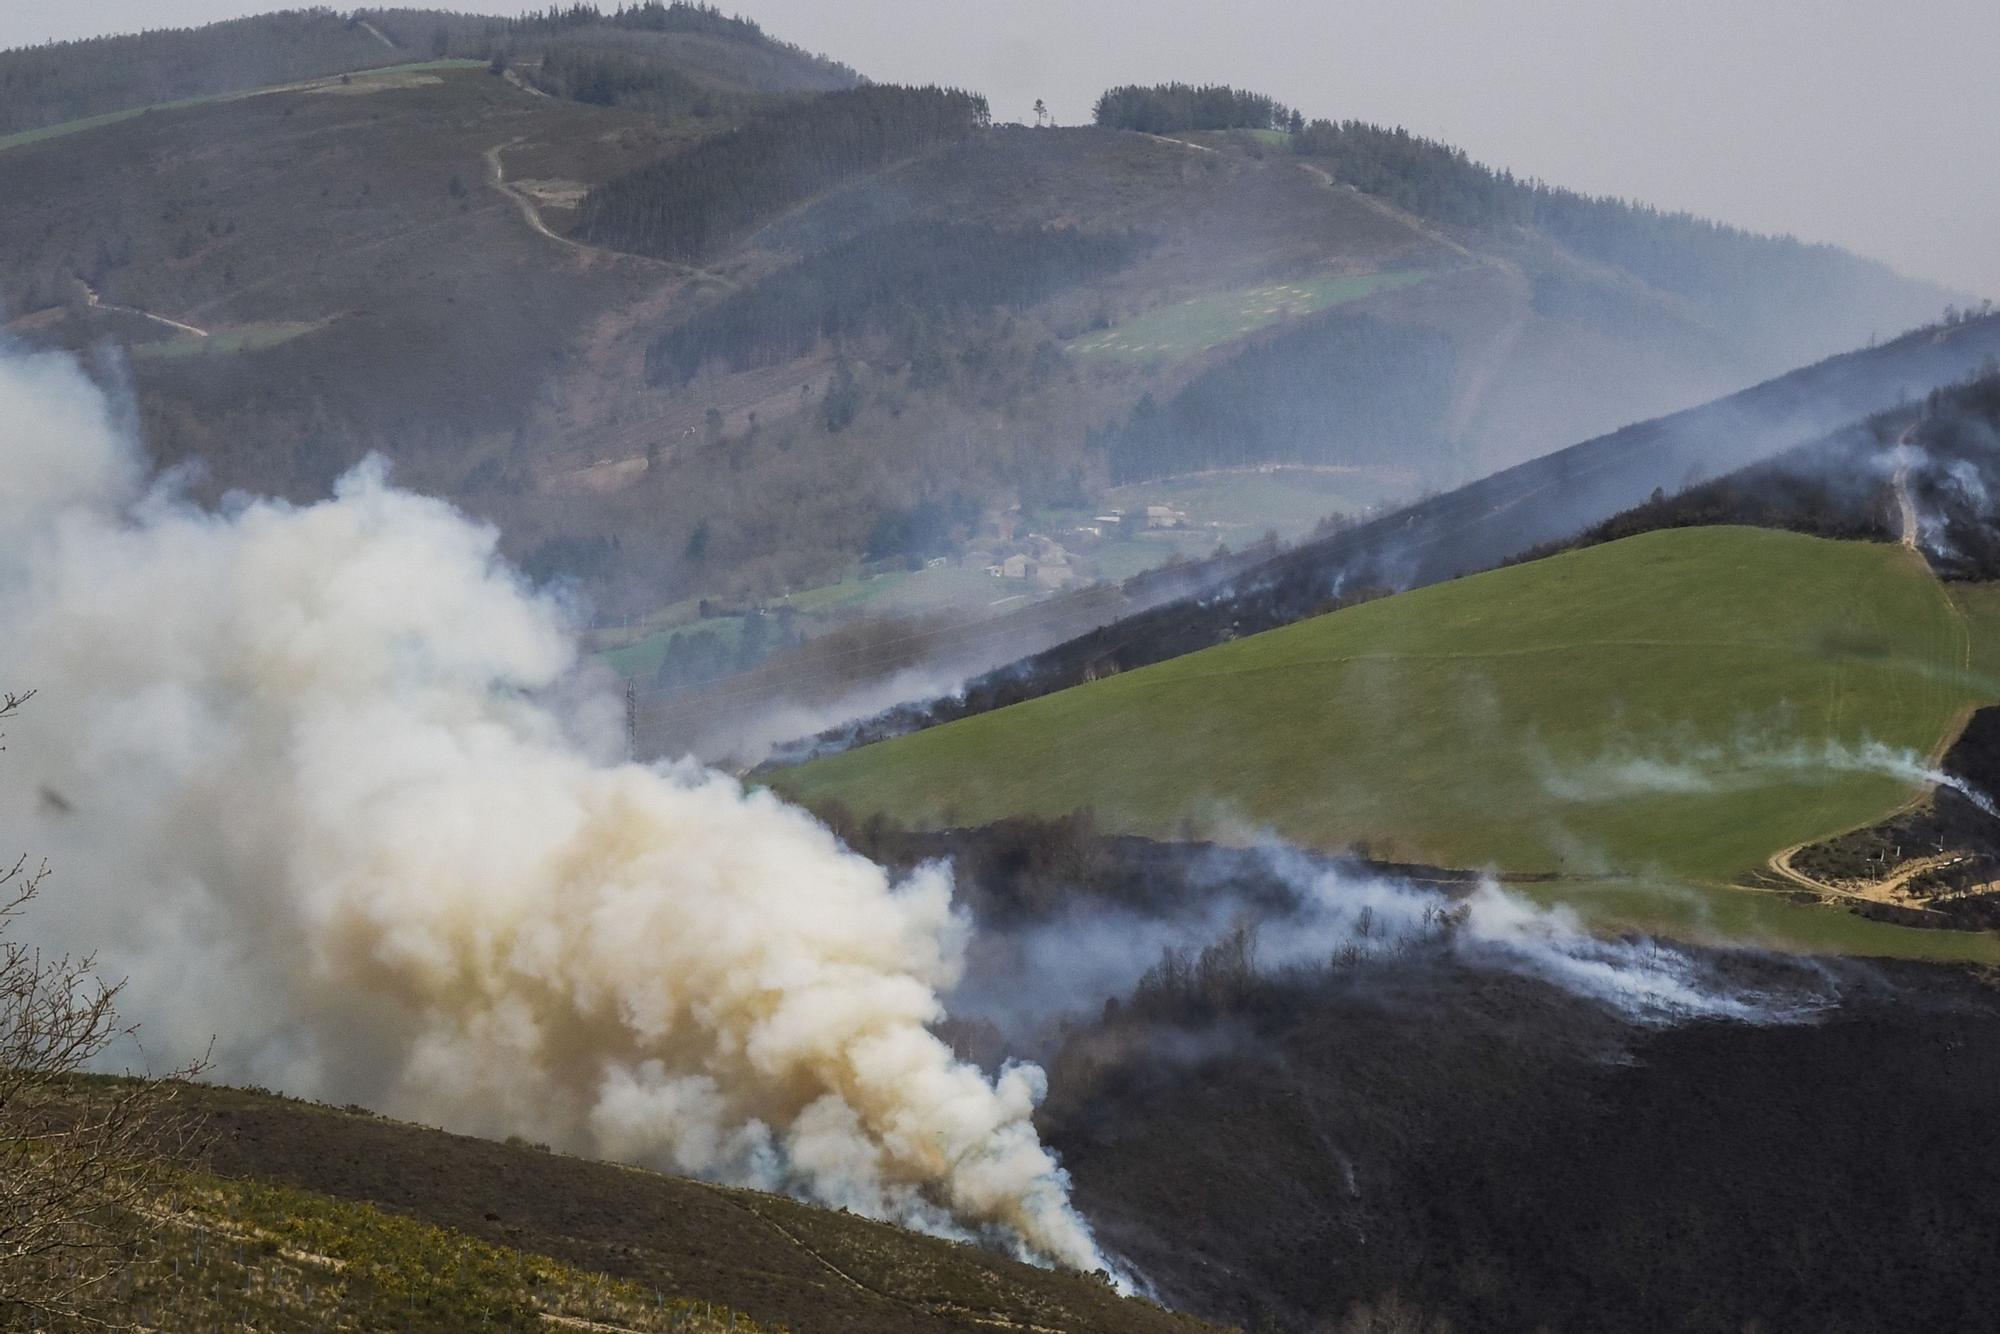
656 682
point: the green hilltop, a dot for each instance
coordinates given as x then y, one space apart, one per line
1679 705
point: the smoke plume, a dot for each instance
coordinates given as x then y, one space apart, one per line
326 794
1310 913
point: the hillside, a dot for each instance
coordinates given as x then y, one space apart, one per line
296 1216
746 429
1462 1153
1683 702
64 81
1938 457
1539 506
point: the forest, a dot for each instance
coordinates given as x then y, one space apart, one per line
480 35
1736 274
609 77
1172 108
689 205
694 42
890 279
62 81
1341 388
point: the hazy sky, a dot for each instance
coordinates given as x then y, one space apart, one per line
1875 125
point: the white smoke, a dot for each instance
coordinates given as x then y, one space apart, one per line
1743 763
312 793
1029 979
1645 980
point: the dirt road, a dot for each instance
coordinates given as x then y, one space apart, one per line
1880 891
1906 512
98 303
498 180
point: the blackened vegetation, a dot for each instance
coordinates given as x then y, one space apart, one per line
1396 1127
1541 503
1496 1154
1961 889
687 206
1172 108
1338 388
892 279
1023 870
1751 279
1954 481
1838 487
1843 485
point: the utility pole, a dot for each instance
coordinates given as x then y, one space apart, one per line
631 721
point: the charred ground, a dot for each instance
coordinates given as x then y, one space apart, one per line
1290 1149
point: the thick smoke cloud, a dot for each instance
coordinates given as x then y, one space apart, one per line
304 778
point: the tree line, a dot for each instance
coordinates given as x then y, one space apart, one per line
649 16
1172 108
1340 388
649 29
611 77
689 205
890 279
1738 274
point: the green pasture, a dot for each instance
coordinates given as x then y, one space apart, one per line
1672 708
1201 322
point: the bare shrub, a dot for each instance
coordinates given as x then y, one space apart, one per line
77 1156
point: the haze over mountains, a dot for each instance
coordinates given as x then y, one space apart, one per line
1307 690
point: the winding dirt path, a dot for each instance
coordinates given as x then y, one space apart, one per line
1879 891
98 303
513 76
525 203
497 178
1906 511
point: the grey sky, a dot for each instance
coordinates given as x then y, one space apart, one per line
1872 125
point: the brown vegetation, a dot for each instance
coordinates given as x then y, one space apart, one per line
71 1174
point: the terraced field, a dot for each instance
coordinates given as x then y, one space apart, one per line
1676 707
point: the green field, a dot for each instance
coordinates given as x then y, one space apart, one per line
635 651
242 338
1204 321
1657 708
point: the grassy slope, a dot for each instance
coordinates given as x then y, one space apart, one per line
1199 323
306 1217
69 127
1500 719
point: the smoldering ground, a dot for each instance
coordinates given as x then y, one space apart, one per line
1071 925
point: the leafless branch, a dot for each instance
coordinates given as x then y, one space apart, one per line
76 1155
